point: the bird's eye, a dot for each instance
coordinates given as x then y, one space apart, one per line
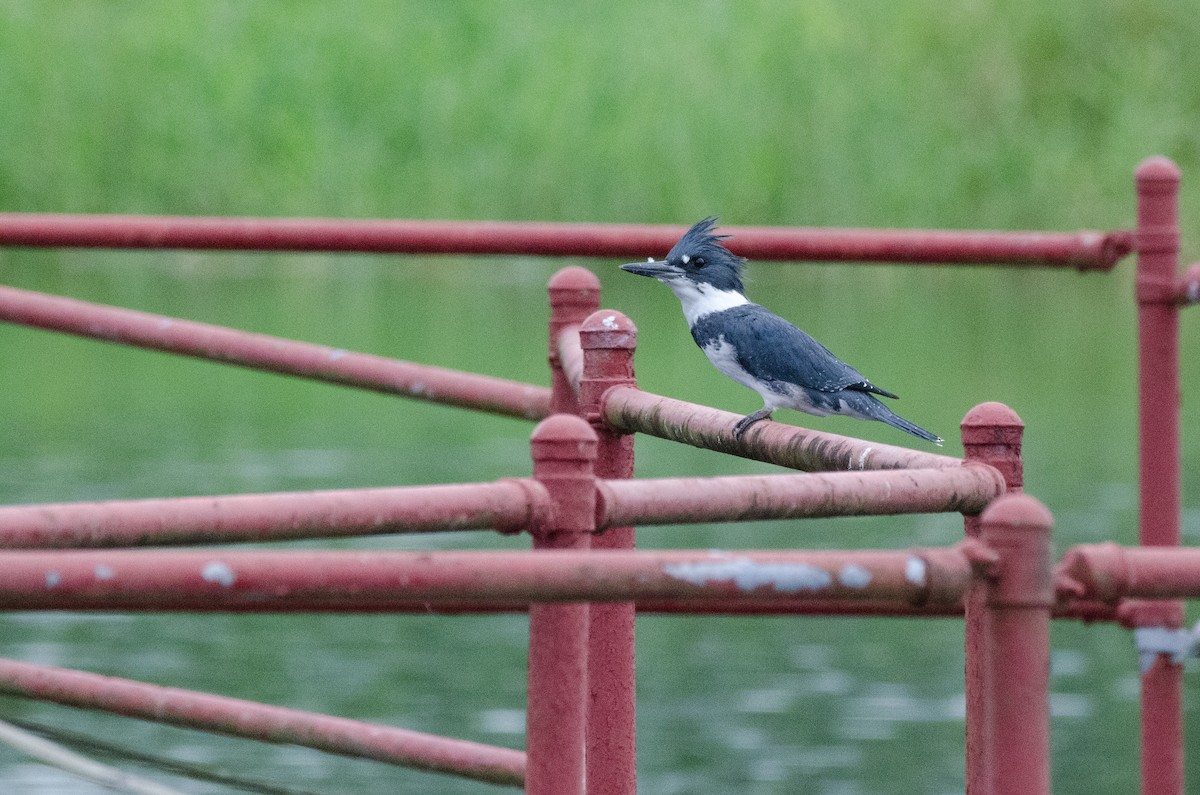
698 262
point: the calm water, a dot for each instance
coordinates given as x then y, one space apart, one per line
772 705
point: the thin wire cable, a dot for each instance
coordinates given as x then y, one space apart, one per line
64 759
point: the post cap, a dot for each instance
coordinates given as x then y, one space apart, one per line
992 414
563 437
1018 512
1018 527
1157 172
607 328
574 285
993 425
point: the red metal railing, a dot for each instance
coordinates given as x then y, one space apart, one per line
1082 250
1158 454
584 583
263 352
241 718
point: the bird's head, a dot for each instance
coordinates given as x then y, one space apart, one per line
698 260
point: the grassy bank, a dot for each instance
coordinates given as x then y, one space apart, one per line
908 114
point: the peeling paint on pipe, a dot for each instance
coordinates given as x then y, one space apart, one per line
748 575
346 581
631 410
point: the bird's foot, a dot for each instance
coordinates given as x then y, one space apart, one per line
743 425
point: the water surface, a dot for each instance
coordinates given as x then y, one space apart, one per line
754 705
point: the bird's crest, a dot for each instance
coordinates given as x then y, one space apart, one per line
698 238
699 241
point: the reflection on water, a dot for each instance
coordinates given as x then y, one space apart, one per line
501 721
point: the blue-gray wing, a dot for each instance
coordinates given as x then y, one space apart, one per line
774 350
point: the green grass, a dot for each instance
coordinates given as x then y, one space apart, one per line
905 114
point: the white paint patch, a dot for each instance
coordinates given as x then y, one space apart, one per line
218 572
53 579
747 575
609 322
854 576
104 572
649 259
914 571
862 459
335 355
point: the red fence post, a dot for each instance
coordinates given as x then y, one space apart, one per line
564 454
608 340
991 434
1157 244
1018 603
574 294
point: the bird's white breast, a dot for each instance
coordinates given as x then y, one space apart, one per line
700 299
724 357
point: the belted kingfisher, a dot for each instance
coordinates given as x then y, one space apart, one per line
757 348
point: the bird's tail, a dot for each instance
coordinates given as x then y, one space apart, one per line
872 408
896 421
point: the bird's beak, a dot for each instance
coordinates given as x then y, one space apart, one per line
660 269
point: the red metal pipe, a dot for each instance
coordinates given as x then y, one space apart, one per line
607 341
737 498
1158 350
1163 750
1018 604
1086 611
1083 250
991 436
1109 572
1157 240
630 410
262 352
263 722
342 580
570 358
506 505
564 458
574 294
